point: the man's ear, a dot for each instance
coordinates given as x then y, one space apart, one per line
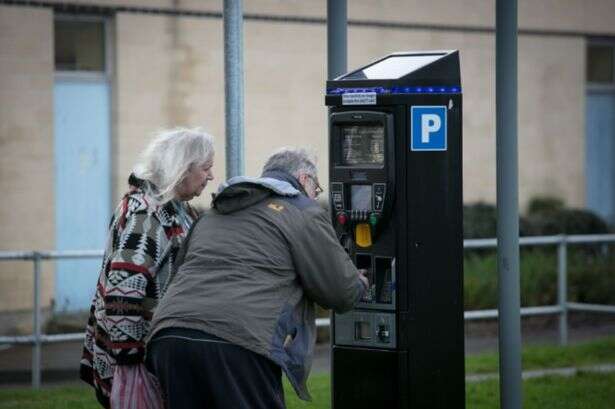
302 179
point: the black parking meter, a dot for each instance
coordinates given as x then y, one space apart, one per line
396 203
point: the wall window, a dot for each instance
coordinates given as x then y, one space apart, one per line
79 45
600 63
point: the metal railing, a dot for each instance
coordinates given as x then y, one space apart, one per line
37 339
561 308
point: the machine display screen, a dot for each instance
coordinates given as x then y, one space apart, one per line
361 197
362 145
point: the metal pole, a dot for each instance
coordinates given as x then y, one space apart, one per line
562 290
337 50
233 87
36 324
337 38
508 206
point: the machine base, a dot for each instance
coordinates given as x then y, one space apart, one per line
368 378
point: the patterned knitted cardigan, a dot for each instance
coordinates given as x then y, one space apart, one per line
137 266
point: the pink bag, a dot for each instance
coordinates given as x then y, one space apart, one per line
134 387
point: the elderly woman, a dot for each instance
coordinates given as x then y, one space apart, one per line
145 233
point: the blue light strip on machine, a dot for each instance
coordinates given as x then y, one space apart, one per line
455 89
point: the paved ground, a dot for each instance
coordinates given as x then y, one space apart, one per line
61 361
482 336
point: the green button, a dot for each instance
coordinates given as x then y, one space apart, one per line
373 219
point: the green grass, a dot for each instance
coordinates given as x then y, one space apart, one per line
73 397
320 389
537 357
582 391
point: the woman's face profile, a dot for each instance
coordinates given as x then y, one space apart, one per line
195 181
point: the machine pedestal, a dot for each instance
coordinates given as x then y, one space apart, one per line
368 378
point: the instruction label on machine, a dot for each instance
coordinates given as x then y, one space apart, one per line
359 98
428 128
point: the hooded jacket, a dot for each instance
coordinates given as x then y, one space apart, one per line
252 268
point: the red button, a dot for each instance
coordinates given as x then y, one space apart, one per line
342 219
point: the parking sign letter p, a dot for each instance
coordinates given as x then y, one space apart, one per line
429 123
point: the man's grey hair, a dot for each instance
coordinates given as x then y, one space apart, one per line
169 156
292 160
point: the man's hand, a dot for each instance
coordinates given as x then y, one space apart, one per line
363 277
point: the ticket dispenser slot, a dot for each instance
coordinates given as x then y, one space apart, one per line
364 262
380 271
383 281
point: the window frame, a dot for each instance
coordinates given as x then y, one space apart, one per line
600 86
108 54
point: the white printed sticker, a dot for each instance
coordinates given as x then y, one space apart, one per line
359 98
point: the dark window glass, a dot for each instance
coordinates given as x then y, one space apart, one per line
79 45
600 63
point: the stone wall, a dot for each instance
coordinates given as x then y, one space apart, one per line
26 147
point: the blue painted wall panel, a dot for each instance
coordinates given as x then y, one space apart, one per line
600 154
82 175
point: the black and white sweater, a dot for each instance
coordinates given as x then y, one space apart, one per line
138 264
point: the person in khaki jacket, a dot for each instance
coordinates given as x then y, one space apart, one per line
240 309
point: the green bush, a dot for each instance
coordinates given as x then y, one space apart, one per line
546 216
591 268
564 221
544 204
480 287
479 221
591 277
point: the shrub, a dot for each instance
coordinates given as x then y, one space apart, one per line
565 221
480 287
544 204
538 279
479 221
591 277
548 216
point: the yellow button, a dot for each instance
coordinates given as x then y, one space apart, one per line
363 235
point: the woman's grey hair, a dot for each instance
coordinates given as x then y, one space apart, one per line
168 157
292 160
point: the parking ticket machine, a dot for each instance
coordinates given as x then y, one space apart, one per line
396 206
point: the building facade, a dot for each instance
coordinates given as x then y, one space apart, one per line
85 83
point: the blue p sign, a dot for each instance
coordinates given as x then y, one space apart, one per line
428 128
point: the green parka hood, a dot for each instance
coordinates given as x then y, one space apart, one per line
240 192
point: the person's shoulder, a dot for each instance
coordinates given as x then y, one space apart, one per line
137 201
307 209
301 202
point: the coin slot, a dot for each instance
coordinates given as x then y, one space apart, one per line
362 331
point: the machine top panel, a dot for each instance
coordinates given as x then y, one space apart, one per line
393 67
401 73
